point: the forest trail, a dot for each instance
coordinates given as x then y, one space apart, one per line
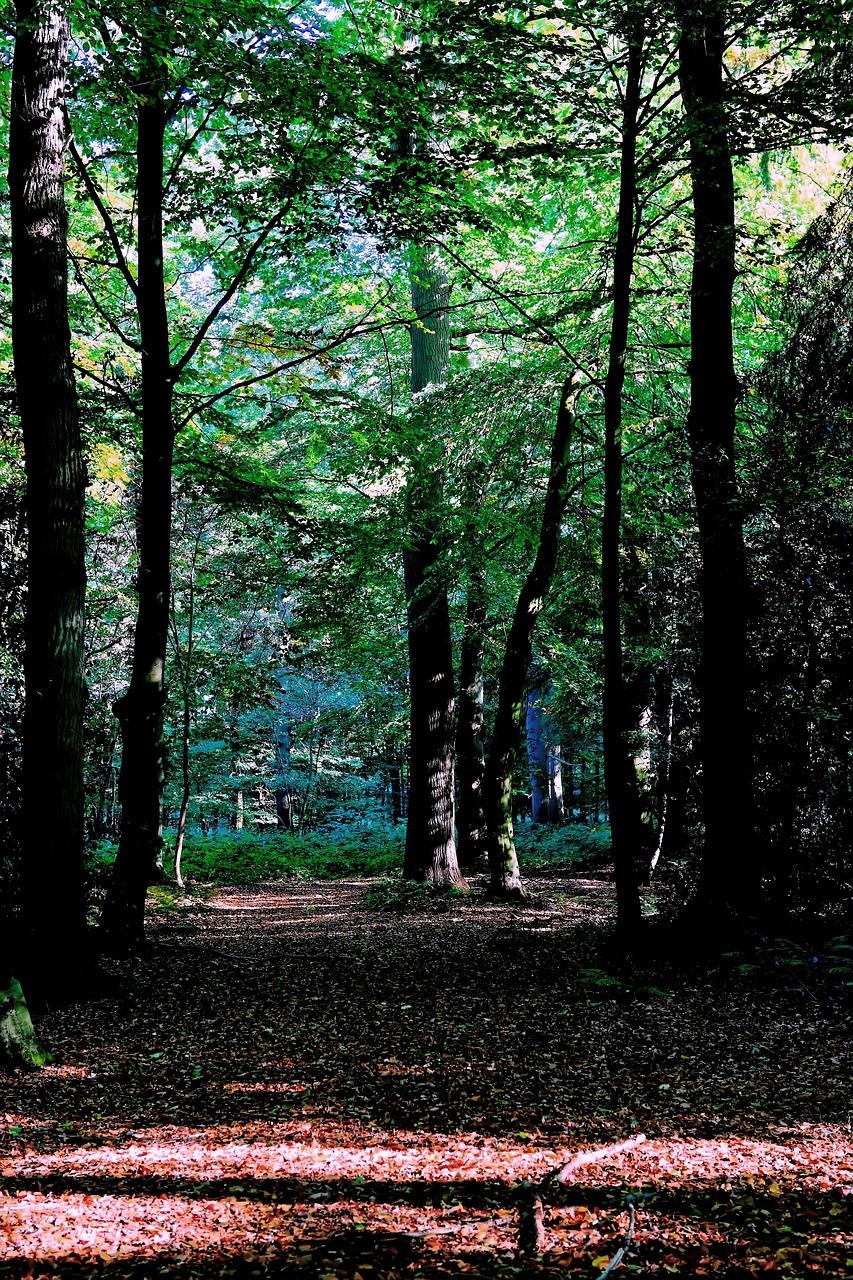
293 1083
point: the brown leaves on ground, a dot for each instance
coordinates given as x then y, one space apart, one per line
291 1084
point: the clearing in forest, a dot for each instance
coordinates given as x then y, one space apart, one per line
293 1082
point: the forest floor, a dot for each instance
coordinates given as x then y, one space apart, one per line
289 1083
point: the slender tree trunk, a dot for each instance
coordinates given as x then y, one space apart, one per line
729 877
52 881
505 877
537 758
283 794
430 851
619 777
556 809
185 788
141 710
470 751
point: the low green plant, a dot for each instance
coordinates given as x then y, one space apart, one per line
242 857
404 896
608 983
562 844
830 962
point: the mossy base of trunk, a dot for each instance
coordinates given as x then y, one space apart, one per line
509 893
18 1044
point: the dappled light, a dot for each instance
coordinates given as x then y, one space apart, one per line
254 1104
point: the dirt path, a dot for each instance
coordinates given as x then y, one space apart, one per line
292 1084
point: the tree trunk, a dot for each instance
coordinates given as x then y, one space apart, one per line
470 752
185 789
537 759
18 1044
430 851
556 810
619 776
729 880
505 878
141 710
52 880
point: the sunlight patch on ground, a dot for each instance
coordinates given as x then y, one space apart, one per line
818 1163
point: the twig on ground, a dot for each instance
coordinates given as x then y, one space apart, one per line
620 1253
531 1207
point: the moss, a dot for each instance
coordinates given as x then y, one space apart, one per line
18 1044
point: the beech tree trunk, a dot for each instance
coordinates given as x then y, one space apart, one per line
52 882
537 759
141 710
556 808
729 881
430 851
505 877
470 748
619 776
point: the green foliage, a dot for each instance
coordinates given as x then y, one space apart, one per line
240 857
805 965
609 984
541 845
405 896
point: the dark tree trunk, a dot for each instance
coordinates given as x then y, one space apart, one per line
470 750
430 851
52 882
537 759
729 880
141 710
619 776
505 878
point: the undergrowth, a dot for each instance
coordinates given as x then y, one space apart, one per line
241 857
563 844
339 850
404 896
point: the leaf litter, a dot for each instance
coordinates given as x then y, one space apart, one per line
291 1083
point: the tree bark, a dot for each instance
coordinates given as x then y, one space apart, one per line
52 877
729 879
141 710
505 877
537 759
18 1044
556 808
470 749
619 777
430 851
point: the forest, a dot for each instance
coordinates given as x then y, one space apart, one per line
426 589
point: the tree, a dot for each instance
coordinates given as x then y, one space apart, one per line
619 776
53 902
430 837
729 869
505 742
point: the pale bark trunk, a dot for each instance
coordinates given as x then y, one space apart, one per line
470 749
556 811
537 759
